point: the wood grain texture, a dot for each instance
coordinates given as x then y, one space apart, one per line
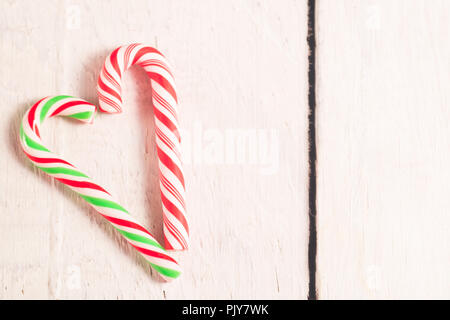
383 149
240 68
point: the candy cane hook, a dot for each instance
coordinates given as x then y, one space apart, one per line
176 232
79 182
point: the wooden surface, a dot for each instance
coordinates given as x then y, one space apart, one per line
240 68
383 149
382 137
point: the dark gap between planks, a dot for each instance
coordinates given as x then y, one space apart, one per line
312 154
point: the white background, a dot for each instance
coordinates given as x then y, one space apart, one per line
241 68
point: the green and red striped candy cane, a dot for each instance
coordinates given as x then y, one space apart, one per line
95 195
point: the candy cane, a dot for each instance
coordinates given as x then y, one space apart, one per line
164 98
95 195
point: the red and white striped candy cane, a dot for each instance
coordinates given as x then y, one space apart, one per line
164 98
96 196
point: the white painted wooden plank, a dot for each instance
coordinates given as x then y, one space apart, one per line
240 68
383 149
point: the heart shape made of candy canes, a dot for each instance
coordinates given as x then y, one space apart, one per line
168 145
